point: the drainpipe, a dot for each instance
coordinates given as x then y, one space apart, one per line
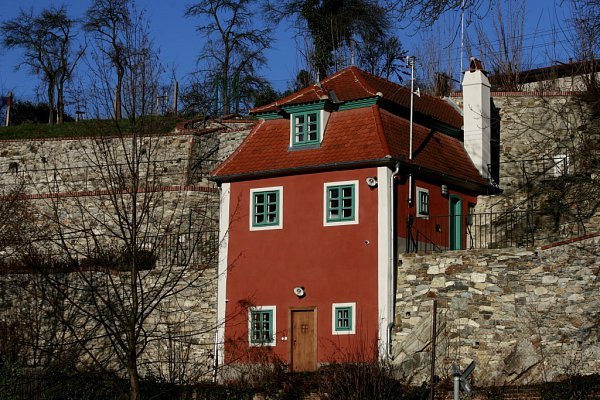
392 266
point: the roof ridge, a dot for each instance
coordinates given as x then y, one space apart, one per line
286 99
360 79
380 133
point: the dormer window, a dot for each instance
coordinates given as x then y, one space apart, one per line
306 128
307 124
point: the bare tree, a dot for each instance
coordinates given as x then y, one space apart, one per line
108 21
381 55
427 12
504 50
47 41
339 31
234 48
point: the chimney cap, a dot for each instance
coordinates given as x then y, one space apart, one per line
476 65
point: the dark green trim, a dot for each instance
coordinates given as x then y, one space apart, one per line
343 323
257 326
270 115
261 199
455 228
306 124
301 108
340 199
362 103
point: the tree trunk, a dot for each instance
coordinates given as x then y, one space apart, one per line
117 103
51 102
60 104
134 381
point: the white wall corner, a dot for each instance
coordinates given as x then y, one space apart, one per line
384 253
225 198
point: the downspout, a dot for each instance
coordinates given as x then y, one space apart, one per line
391 265
216 343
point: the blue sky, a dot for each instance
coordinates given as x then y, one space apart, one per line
179 43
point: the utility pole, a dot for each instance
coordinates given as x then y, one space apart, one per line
9 100
410 63
175 97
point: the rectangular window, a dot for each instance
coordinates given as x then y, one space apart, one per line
261 328
265 208
340 203
343 318
305 128
422 202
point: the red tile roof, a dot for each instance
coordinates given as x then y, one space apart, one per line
369 135
354 84
351 136
432 149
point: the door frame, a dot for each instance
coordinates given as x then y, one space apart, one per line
291 310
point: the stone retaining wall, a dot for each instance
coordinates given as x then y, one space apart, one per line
525 316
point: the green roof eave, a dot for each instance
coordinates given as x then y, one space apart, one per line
360 103
314 106
269 115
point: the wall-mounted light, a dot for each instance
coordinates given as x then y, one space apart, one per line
444 190
299 291
372 181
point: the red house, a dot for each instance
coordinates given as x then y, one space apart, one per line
315 207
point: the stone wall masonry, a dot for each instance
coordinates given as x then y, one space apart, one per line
63 165
38 319
87 164
534 130
524 315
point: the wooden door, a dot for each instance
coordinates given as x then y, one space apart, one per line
304 340
455 223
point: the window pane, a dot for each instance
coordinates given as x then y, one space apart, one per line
266 208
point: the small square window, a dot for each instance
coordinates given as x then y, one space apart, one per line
261 329
265 208
305 128
422 202
343 318
341 203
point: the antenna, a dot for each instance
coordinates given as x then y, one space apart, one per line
462 35
410 63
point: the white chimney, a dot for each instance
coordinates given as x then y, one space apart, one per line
476 114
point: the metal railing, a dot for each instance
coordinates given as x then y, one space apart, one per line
489 230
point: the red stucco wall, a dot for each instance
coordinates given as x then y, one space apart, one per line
335 264
439 211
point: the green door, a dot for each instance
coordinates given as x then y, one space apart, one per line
455 223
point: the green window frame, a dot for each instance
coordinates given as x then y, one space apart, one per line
423 202
306 128
266 208
343 318
262 326
340 203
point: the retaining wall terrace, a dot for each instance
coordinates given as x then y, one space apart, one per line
87 164
524 315
80 188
